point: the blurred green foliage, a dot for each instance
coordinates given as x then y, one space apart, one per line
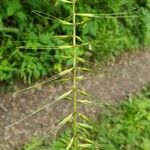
121 127
19 26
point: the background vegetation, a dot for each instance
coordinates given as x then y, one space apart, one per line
19 26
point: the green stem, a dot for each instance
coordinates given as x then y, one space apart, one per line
75 75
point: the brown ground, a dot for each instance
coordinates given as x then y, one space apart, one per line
128 74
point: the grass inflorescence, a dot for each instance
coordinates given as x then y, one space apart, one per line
125 126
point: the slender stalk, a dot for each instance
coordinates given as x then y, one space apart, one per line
74 75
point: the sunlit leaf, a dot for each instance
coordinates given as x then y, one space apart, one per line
64 1
84 69
70 144
45 81
80 78
48 16
85 145
85 101
83 93
64 95
85 126
40 140
84 117
57 99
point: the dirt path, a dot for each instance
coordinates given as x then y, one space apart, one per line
128 74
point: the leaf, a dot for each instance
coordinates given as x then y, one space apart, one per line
54 48
70 144
64 95
45 81
85 101
13 6
87 140
84 69
9 29
48 47
80 78
85 145
64 22
85 125
81 59
48 16
67 36
83 93
112 15
65 72
64 1
58 67
36 73
57 99
63 122
84 117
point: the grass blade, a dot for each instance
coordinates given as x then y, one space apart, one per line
83 93
62 123
64 1
42 108
64 95
85 145
80 78
84 69
85 102
111 15
70 144
87 140
48 16
85 126
55 48
9 29
45 81
84 117
66 36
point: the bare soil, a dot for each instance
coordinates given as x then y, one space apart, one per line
126 75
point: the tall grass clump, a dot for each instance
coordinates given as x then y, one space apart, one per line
80 122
